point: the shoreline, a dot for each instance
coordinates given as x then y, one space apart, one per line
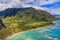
11 35
27 31
24 31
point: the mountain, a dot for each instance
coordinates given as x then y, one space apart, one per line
11 11
14 11
21 19
25 15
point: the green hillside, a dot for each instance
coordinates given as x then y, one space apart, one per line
25 19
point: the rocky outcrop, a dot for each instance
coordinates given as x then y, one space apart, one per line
2 24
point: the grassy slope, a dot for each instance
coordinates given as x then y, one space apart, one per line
25 20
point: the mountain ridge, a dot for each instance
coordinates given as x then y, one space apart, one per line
13 11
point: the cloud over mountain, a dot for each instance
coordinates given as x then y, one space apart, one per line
4 4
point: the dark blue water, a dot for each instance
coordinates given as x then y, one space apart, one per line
45 33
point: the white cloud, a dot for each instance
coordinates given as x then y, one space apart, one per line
54 11
43 2
26 1
23 3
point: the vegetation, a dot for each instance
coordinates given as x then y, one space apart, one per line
24 19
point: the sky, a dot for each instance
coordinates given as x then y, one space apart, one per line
52 6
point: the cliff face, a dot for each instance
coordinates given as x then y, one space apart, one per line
2 25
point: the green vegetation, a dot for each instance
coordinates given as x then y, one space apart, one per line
26 19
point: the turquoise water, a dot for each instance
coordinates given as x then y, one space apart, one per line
47 33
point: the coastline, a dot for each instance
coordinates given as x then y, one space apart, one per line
40 27
27 31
